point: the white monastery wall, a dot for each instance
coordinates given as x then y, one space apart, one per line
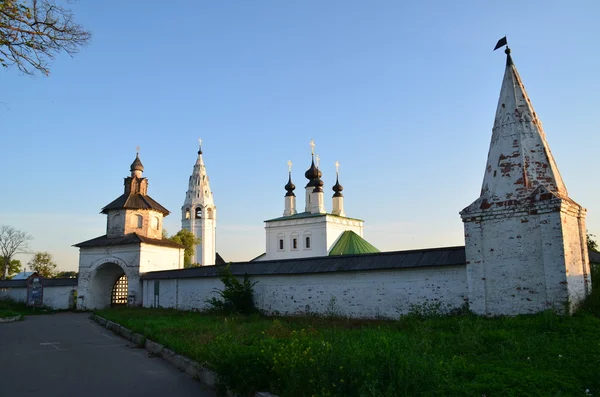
55 297
18 294
156 257
360 294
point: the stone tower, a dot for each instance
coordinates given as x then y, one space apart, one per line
525 238
199 214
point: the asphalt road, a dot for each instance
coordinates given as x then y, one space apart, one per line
67 355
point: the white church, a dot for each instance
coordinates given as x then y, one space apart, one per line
525 242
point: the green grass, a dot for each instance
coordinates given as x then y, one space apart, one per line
10 308
464 355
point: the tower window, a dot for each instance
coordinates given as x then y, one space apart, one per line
155 223
198 212
307 242
140 221
281 244
295 244
187 213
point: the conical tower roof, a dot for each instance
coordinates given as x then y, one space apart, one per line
519 159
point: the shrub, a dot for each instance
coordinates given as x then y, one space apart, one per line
236 296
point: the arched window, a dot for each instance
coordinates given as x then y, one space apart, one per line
187 213
198 212
155 222
140 221
209 213
307 242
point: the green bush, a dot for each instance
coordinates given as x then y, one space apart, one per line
236 296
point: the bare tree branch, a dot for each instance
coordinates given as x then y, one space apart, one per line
33 32
12 242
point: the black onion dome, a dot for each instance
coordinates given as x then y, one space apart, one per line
337 188
200 149
137 164
290 187
318 184
313 172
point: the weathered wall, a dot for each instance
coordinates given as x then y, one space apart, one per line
361 294
55 296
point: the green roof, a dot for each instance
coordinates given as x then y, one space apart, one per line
351 243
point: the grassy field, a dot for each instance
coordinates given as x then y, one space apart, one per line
462 355
10 308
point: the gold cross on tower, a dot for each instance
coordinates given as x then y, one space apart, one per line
289 163
337 167
137 149
312 146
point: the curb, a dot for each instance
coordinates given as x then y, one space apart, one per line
11 319
184 364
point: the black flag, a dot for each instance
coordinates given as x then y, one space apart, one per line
500 43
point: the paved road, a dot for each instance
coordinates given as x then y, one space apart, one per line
68 355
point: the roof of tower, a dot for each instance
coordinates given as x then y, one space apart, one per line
519 159
290 186
137 164
131 238
135 201
337 188
351 243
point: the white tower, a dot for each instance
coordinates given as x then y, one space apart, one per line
199 214
525 237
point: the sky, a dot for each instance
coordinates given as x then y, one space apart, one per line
402 93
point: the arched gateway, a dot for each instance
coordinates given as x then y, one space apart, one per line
110 266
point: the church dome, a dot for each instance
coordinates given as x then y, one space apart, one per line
290 187
337 188
137 164
318 184
313 172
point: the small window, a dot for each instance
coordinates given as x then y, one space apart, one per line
307 242
281 244
187 213
155 223
140 221
295 244
198 212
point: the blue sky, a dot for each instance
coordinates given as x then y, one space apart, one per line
402 94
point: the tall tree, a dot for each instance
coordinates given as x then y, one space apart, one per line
591 242
12 242
33 32
14 267
189 241
43 264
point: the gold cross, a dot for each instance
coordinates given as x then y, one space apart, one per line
137 149
337 167
312 146
200 141
289 163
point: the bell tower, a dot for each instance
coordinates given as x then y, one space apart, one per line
199 214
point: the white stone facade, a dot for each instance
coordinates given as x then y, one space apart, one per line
364 294
322 231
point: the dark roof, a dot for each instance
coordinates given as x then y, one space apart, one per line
136 202
450 256
219 260
131 238
47 282
302 215
137 164
350 243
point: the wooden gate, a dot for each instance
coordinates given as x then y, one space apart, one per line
119 292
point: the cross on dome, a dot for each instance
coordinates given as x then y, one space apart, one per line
312 146
337 167
289 163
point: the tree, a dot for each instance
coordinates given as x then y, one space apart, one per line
591 242
12 241
33 32
189 241
67 274
14 267
42 264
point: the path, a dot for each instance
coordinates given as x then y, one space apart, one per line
68 355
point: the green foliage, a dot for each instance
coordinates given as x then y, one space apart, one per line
43 264
423 354
591 242
236 296
14 266
187 239
67 274
11 308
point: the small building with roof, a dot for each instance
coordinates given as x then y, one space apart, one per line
110 266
